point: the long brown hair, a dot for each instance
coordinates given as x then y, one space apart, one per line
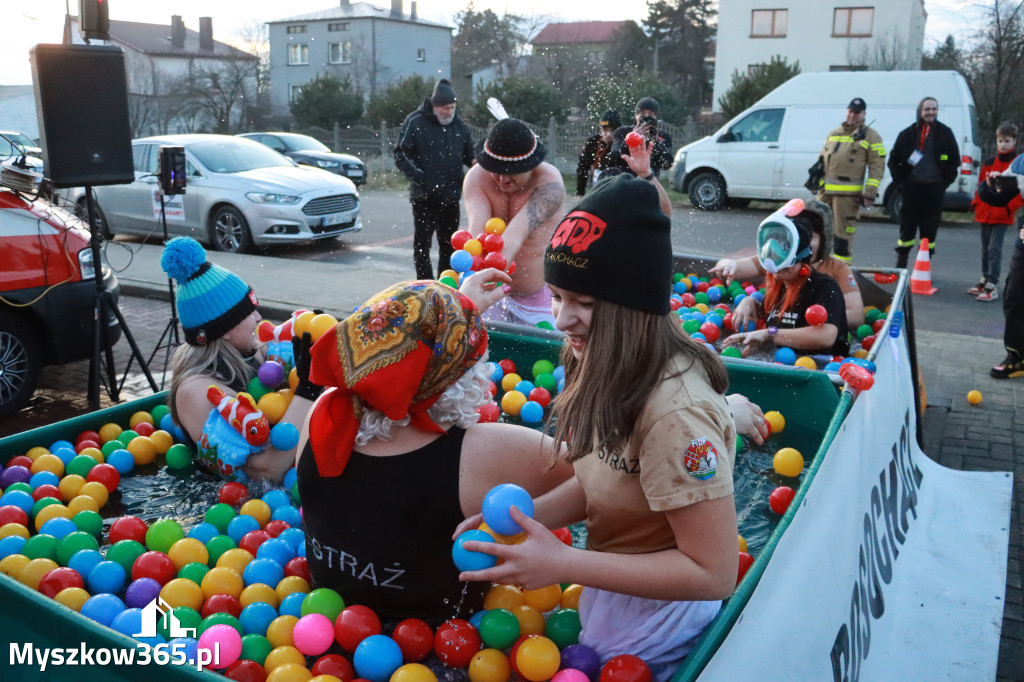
627 353
774 288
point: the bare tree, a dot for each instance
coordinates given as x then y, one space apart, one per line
889 51
212 96
254 38
996 65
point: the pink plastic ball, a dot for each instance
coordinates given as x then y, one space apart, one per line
313 634
224 642
570 675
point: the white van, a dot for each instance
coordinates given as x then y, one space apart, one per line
765 152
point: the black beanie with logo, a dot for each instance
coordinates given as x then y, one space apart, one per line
615 245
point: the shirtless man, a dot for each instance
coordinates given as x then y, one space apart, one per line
511 182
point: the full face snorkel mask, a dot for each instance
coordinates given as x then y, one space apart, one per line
778 240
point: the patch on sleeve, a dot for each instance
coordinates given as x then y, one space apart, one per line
701 459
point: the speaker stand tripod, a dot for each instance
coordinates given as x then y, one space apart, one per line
104 303
171 329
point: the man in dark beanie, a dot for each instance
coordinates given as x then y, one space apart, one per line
512 182
432 148
594 157
646 124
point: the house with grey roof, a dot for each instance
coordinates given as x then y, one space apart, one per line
370 45
180 80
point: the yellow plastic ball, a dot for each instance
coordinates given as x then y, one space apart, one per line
9 529
96 491
788 462
506 597
284 655
413 672
279 632
474 247
489 665
860 353
325 678
805 362
51 512
545 598
162 440
188 551
570 598
517 539
143 449
509 381
538 659
321 324
301 324
743 544
258 592
95 453
13 564
703 307
449 273
512 402
34 571
81 503
222 580
287 394
974 397
258 509
531 621
495 226
72 597
36 452
290 672
293 378
109 432
776 421
183 592
70 486
273 406
236 558
140 418
48 462
291 584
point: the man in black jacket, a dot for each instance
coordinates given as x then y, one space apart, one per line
646 125
594 157
924 161
432 148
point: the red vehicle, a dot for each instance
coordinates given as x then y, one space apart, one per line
47 292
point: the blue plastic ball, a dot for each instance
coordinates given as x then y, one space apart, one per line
256 618
239 526
167 423
122 460
301 551
714 294
377 657
758 296
461 260
559 373
129 623
57 444
785 356
716 320
284 436
11 545
18 498
750 326
183 646
289 478
561 385
531 412
204 532
293 536
102 608
58 527
832 367
288 514
739 297
475 619
107 576
44 478
472 561
83 560
275 498
496 372
292 605
681 286
496 507
65 454
525 387
265 571
277 549
697 336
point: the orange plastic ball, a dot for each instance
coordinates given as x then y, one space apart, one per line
788 462
222 580
72 597
236 558
506 597
272 405
14 564
490 665
538 659
301 324
512 402
70 486
188 551
279 632
974 397
570 598
258 509
258 592
183 592
291 584
48 462
509 381
96 491
109 432
143 449
776 421
81 503
495 226
283 655
474 247
95 453
545 598
531 621
805 362
413 672
321 324
139 418
162 440
34 571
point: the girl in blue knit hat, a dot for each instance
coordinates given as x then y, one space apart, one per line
218 315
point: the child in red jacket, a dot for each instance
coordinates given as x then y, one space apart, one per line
994 220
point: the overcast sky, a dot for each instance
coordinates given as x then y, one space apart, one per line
42 21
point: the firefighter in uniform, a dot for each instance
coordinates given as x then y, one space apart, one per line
849 150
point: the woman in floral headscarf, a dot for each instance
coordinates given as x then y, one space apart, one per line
395 459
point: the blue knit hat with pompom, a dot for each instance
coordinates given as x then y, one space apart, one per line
211 300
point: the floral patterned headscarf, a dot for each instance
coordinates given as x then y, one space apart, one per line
397 353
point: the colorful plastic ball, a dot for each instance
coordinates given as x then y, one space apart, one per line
974 397
40 546
466 560
313 634
570 675
543 599
220 515
58 527
494 226
745 562
776 422
75 542
377 658
291 585
13 565
461 260
583 658
81 465
780 499
264 571
563 627
102 608
32 574
490 665
625 668
11 544
532 412
415 638
537 659
816 315
105 474
286 656
805 362
72 597
512 402
183 592
284 436
273 406
259 593
531 621
204 532
222 580
155 565
187 617
497 503
354 624
278 550
59 579
255 649
506 597
455 642
324 601
252 540
182 648
143 449
864 330
710 331
241 525
271 374
122 460
140 592
187 551
785 356
321 324
489 413
107 576
291 604
499 628
788 462
256 618
258 509
163 534
224 644
220 617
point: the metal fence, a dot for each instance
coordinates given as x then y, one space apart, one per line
563 140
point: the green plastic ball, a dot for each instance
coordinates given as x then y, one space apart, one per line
701 297
677 276
499 628
126 436
324 601
864 330
563 627
220 619
162 534
187 618
41 546
732 352
450 281
220 516
81 465
547 381
20 485
739 443
544 324
873 315
90 522
125 552
217 546
542 367
194 571
41 504
256 648
110 446
691 326
74 542
179 456
295 494
159 412
256 389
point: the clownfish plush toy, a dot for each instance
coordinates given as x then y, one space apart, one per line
235 429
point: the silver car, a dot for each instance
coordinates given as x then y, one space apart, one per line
239 194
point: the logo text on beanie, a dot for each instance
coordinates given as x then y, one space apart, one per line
578 231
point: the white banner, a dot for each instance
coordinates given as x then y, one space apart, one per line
174 206
894 567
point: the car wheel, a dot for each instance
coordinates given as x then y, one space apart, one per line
20 363
229 230
707 192
894 205
99 220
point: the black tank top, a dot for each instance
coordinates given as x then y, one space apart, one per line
380 534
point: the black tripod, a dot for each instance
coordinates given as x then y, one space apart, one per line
103 304
171 329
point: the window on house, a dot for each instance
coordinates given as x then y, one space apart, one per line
297 29
768 23
852 22
298 54
293 92
340 53
421 55
751 68
338 26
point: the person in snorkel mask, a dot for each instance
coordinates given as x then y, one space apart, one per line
793 286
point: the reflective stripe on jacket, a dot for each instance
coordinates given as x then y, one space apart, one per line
848 151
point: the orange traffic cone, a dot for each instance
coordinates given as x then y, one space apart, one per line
921 277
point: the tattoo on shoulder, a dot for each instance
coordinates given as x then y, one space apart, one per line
545 201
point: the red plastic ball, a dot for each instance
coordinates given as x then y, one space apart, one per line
20 461
710 331
233 493
688 300
702 287
45 490
816 315
746 561
727 322
877 326
144 429
515 650
244 670
298 567
489 413
493 388
478 263
563 534
415 638
634 139
87 435
105 474
87 443
507 366
625 668
252 540
276 527
494 242
761 324
780 499
715 282
11 514
334 664
354 624
541 395
511 269
155 565
675 303
867 342
456 642
222 603
495 259
460 238
59 579
128 528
